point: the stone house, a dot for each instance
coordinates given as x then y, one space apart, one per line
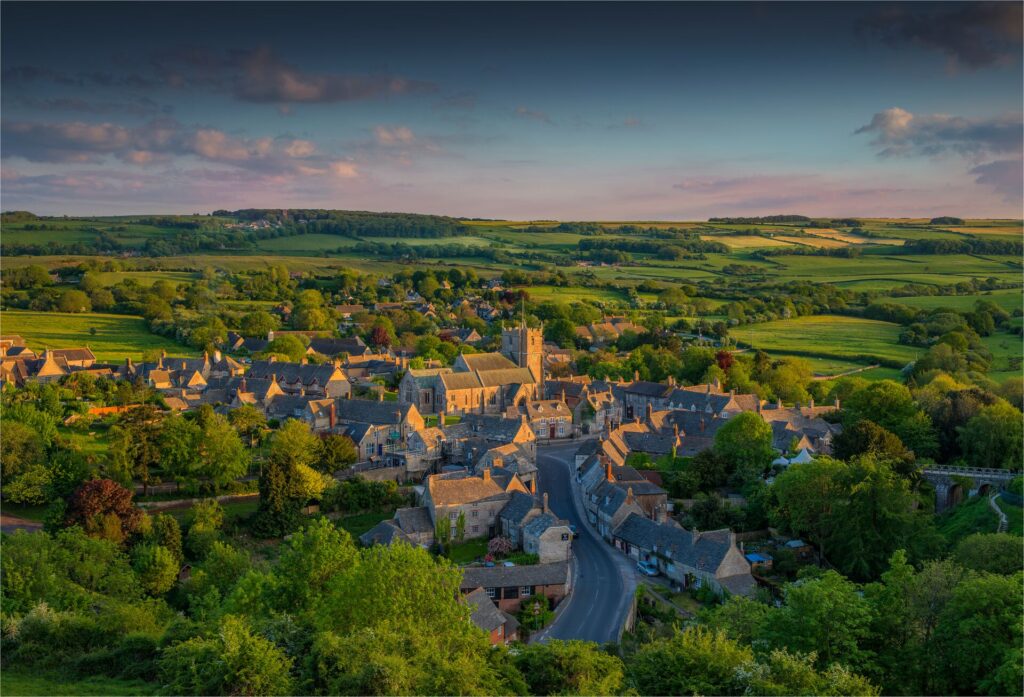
690 558
478 499
501 627
508 586
547 536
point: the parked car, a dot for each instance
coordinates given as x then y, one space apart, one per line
647 568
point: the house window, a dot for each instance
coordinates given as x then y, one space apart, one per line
511 593
526 591
492 593
475 513
476 528
453 515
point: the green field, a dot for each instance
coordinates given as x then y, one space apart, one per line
829 336
575 294
1009 300
145 278
117 336
1007 353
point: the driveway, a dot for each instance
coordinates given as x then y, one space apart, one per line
604 579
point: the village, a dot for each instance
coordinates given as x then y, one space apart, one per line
466 439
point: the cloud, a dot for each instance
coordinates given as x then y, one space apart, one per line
1005 177
533 114
159 141
630 122
398 135
899 132
974 35
264 77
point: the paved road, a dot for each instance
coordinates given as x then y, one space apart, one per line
604 579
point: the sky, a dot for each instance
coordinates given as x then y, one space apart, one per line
520 111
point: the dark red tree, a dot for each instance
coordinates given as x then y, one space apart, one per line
95 506
724 359
380 337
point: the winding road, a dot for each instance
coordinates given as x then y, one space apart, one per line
604 580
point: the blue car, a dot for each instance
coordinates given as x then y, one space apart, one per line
647 568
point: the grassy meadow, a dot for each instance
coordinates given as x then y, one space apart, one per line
829 336
116 337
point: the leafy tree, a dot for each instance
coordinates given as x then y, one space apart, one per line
826 615
103 509
994 437
745 442
460 527
258 323
135 448
289 346
336 453
288 480
696 661
569 668
179 443
74 301
561 332
380 337
166 532
23 449
233 661
997 553
223 458
784 673
867 437
891 406
156 566
978 636
248 421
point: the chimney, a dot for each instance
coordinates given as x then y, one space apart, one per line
218 356
778 403
163 353
707 388
380 395
332 414
675 430
702 423
671 380
128 362
563 393
273 378
636 376
273 359
650 411
732 392
533 486
811 405
487 474
206 356
242 385
629 496
544 506
837 403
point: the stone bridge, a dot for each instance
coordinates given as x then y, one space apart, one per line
954 484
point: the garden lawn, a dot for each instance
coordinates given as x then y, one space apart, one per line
468 551
357 524
117 336
829 336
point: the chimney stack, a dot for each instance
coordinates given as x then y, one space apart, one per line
608 472
487 474
332 414
671 380
811 405
778 403
380 395
837 403
650 411
545 504
636 376
218 356
629 496
675 430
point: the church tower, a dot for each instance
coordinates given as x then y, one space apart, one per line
525 347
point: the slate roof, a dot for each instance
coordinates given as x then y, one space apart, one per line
539 524
518 507
356 431
354 346
74 354
705 550
384 533
486 361
460 381
414 520
506 376
647 389
305 373
555 573
371 411
485 613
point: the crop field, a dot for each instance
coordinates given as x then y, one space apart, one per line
305 243
1007 356
818 242
745 241
116 336
829 336
850 238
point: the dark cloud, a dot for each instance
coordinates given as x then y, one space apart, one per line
20 74
899 132
974 35
1005 177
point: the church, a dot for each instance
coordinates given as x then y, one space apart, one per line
481 383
